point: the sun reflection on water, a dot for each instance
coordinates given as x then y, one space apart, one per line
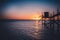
36 31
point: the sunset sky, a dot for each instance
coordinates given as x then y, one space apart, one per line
28 9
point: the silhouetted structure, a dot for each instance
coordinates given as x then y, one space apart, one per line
46 14
53 23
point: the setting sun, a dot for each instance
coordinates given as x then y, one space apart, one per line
36 18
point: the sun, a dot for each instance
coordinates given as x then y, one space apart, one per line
36 18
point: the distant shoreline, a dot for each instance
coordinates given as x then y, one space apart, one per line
17 20
20 20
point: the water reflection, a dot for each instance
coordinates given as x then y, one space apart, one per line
37 28
29 29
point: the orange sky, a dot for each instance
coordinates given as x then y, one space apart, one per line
28 11
22 16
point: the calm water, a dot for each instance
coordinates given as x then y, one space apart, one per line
27 30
